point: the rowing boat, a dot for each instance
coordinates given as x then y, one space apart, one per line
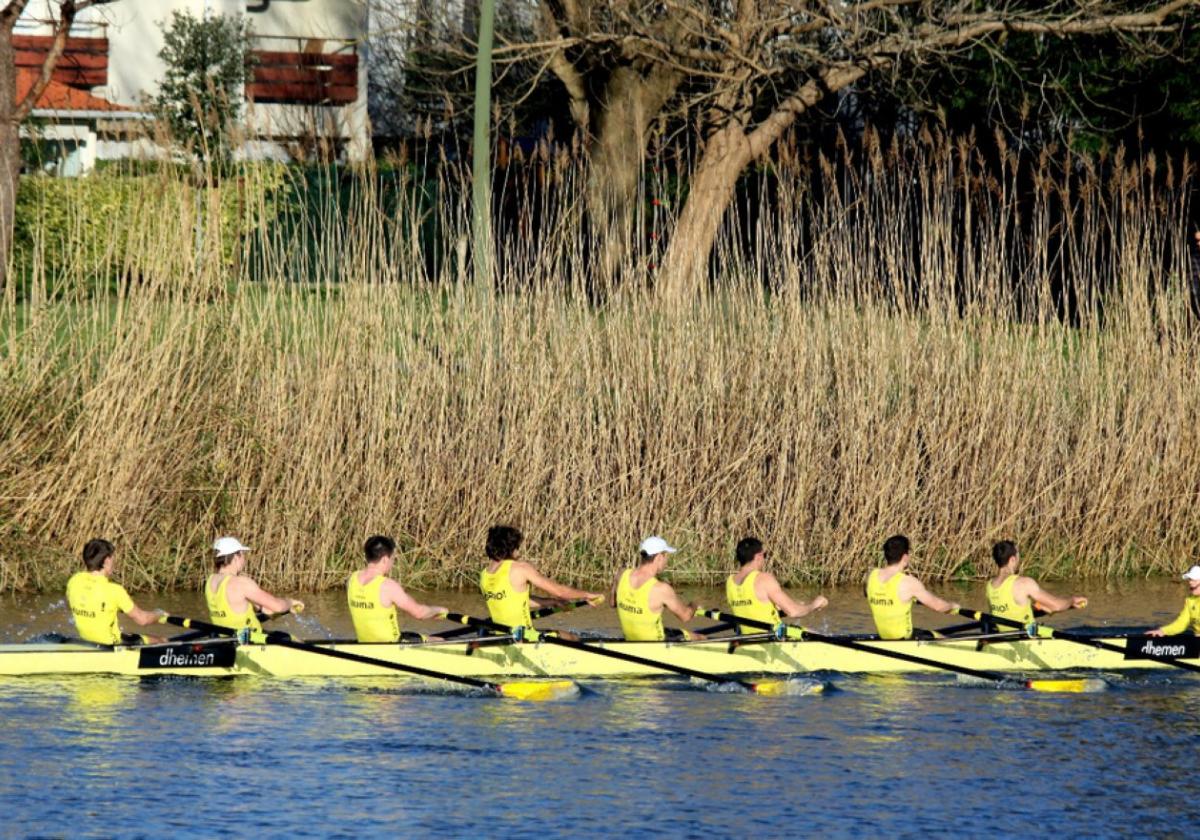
501 658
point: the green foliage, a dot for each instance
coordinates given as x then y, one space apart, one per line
1096 92
200 95
87 234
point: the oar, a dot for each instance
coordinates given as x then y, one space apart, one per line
1038 612
535 615
262 617
1043 631
1075 685
770 687
529 690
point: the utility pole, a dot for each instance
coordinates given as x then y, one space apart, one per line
481 167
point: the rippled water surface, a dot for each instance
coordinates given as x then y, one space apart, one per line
920 756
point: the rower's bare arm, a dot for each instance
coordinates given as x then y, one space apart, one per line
1175 627
535 578
264 600
393 595
786 604
669 599
1048 601
933 602
143 617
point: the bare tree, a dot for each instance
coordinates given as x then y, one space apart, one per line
14 111
743 71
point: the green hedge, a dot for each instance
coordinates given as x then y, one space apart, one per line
89 233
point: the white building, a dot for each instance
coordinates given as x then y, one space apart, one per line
307 91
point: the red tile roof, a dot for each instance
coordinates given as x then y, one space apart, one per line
60 97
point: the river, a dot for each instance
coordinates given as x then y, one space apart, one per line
900 756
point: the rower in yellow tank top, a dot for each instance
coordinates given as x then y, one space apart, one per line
893 616
95 600
1189 617
641 597
1012 595
506 581
219 610
639 623
891 591
232 596
754 593
374 598
1001 602
505 604
373 622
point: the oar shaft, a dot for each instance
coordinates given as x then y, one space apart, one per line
851 645
1079 640
287 641
599 651
535 615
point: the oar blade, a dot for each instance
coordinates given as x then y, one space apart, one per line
539 690
1080 685
789 688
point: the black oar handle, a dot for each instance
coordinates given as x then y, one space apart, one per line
535 615
197 624
533 635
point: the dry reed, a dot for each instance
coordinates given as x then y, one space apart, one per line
848 403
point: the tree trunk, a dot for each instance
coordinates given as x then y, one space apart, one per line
685 265
632 100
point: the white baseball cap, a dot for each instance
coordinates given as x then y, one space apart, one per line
228 545
652 546
1192 573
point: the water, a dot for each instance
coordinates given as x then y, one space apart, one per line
912 756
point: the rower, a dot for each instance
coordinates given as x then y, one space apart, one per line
641 597
754 593
891 591
232 596
506 580
96 600
1189 617
374 597
1014 596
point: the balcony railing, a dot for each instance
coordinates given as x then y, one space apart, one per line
308 75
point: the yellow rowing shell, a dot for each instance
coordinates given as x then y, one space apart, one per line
491 661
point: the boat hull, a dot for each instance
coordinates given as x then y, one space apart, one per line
492 661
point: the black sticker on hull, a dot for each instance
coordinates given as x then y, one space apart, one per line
1162 647
188 655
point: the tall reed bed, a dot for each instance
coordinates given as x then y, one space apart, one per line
909 341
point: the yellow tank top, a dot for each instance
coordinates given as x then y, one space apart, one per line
893 618
638 623
745 604
505 604
95 602
1002 603
219 611
373 622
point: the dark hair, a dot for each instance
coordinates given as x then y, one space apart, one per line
1004 551
95 553
502 542
747 549
378 547
895 548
